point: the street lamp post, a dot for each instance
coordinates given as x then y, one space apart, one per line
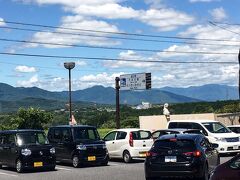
69 66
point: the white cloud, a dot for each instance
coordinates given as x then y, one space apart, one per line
218 14
32 82
131 64
165 19
75 22
25 69
81 63
2 23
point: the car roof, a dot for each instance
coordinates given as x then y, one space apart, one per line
180 136
193 121
73 126
20 130
234 126
130 129
177 130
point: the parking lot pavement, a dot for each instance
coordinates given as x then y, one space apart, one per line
116 170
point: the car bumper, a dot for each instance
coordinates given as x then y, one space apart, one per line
97 160
184 170
139 152
36 163
228 147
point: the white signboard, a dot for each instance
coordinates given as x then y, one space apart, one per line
138 81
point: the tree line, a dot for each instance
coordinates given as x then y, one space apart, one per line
35 118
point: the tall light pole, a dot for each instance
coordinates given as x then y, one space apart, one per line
69 66
239 75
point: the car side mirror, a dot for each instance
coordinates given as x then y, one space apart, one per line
214 145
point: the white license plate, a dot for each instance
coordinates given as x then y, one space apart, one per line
235 147
170 159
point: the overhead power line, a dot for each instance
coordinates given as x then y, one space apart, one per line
80 70
116 59
224 28
119 38
118 33
117 48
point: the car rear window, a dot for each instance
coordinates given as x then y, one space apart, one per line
139 135
178 144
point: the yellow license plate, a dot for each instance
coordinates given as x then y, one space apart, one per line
142 154
91 158
38 164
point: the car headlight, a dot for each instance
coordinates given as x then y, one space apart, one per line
81 147
52 150
220 139
104 146
26 152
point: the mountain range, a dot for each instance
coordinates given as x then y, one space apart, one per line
19 96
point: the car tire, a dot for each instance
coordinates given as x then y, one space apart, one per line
52 168
75 161
149 178
218 160
127 157
205 175
19 167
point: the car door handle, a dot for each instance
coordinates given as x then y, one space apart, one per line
112 142
6 147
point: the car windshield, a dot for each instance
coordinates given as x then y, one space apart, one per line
216 127
177 144
140 135
83 134
33 138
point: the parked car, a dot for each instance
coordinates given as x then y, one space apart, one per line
181 155
162 132
78 144
229 170
235 128
215 131
128 143
26 149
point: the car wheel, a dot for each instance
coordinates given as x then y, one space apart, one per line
52 168
205 173
127 157
19 166
218 160
75 161
149 178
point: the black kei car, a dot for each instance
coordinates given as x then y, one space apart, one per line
181 155
79 145
26 149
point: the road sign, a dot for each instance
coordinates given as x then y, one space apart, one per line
139 81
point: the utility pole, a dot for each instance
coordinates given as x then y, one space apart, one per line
117 86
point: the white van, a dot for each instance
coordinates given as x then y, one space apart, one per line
216 132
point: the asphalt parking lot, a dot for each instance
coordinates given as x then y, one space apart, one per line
116 170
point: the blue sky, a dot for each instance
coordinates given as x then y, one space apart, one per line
181 18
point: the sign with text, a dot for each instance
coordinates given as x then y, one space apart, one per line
139 81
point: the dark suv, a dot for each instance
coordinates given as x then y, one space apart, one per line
25 149
78 144
181 155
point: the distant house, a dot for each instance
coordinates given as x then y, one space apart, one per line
144 105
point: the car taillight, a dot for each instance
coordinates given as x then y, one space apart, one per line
131 139
196 153
150 154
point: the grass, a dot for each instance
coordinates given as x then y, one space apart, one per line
103 132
